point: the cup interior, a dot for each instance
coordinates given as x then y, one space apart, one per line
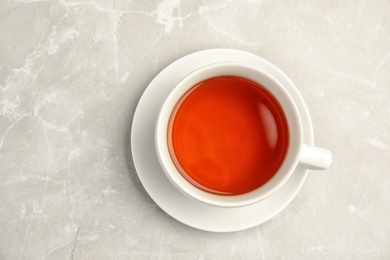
244 71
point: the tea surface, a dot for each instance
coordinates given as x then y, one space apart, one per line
228 135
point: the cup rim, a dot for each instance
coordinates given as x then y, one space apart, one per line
245 71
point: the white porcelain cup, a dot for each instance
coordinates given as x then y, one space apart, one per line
298 153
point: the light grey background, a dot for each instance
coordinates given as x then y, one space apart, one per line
71 74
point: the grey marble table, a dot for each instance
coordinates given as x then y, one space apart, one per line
72 72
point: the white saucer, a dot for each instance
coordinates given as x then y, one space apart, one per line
165 195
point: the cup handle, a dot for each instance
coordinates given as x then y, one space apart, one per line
315 158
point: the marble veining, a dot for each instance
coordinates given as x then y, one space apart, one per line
72 72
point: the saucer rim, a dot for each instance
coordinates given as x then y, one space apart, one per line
215 56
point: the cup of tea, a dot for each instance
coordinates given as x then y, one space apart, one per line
230 134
